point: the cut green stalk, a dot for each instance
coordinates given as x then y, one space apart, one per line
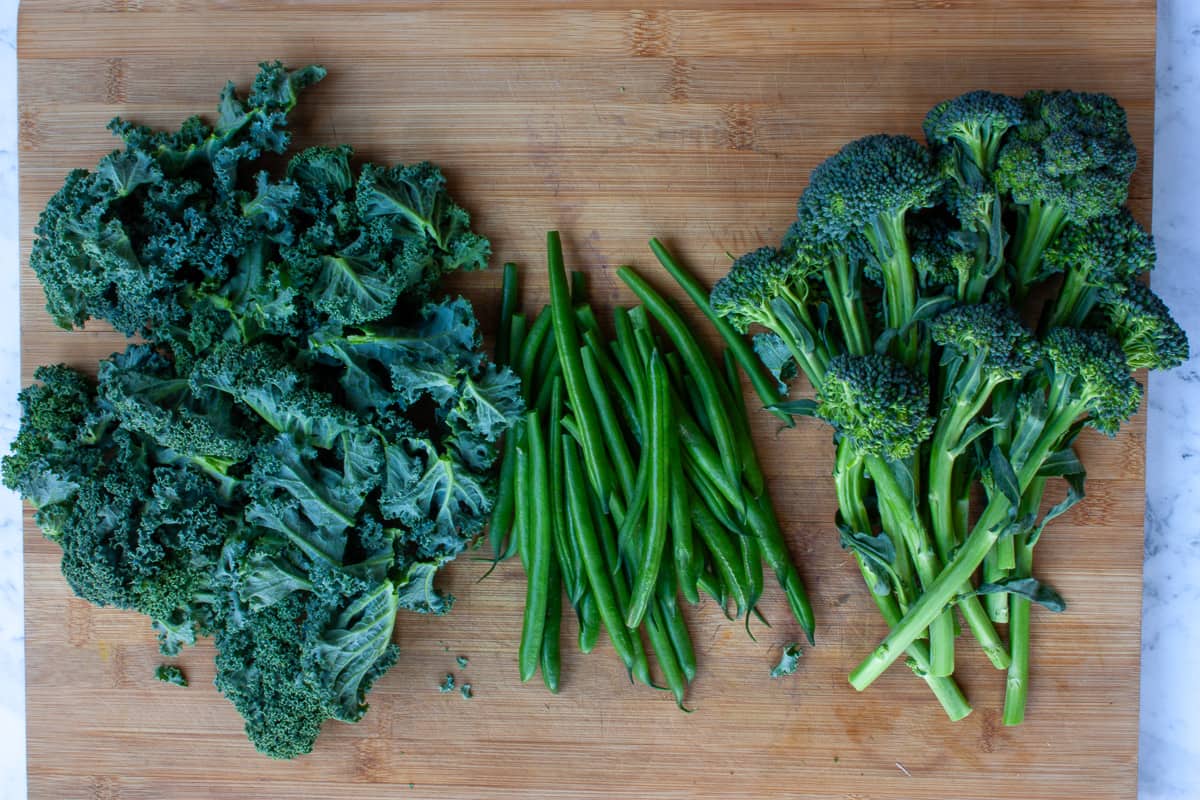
509 291
582 404
540 550
1020 613
551 659
600 579
764 384
697 364
991 523
589 623
658 452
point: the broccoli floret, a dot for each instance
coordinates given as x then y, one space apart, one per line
769 287
1088 375
1070 161
878 404
744 296
1142 323
990 339
867 189
1108 251
974 125
938 254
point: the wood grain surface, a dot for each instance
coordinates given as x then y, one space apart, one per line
696 124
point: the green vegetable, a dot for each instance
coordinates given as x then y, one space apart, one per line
169 673
308 432
900 293
447 685
789 660
631 559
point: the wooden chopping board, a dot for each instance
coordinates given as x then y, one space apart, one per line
698 125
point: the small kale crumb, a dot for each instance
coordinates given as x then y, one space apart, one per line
447 686
462 661
465 691
168 673
788 662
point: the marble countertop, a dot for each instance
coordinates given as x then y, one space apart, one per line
1169 758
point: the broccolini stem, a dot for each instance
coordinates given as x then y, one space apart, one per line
1037 228
1017 685
967 559
928 565
943 513
900 287
847 305
1075 301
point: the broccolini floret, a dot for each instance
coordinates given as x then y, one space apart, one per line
1108 251
1070 161
1141 322
877 403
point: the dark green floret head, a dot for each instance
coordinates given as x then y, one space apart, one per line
1074 151
938 254
878 404
744 295
991 333
1090 366
1112 249
876 178
1142 323
976 120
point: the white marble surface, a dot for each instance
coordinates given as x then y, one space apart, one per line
1170 722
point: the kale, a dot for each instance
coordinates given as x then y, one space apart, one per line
306 432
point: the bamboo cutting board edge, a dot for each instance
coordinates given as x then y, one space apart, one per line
612 125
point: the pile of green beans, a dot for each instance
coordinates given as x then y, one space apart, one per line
632 480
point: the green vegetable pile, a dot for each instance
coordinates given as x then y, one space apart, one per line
631 480
305 433
962 309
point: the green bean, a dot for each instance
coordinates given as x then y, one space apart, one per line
643 337
764 383
600 580
628 357
681 640
666 586
752 568
547 355
578 286
568 425
668 661
697 364
724 554
541 550
614 437
631 517
564 546
712 586
617 381
586 319
589 623
509 291
751 470
658 452
550 656
683 538
567 338
539 331
521 510
543 395
516 339
504 511
708 492
760 518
